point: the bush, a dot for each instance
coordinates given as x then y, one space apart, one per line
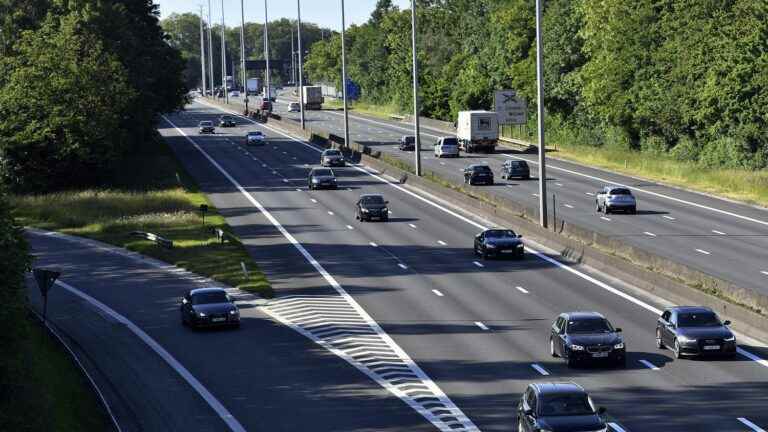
686 150
728 152
654 145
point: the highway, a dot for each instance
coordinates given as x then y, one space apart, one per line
721 238
477 330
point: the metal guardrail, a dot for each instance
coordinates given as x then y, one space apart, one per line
161 241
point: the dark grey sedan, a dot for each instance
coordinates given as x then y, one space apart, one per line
694 331
499 243
320 178
209 307
515 169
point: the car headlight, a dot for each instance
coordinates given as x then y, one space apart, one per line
682 338
577 348
233 312
314 180
491 246
520 245
619 345
385 210
732 338
364 210
201 314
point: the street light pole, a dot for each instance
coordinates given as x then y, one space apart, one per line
210 49
343 77
223 57
268 91
301 68
416 110
202 52
242 53
540 120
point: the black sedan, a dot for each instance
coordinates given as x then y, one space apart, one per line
499 243
371 207
227 121
515 169
206 126
321 178
478 174
407 143
558 407
694 331
209 307
586 337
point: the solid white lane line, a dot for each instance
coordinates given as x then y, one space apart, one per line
350 227
702 251
540 369
751 425
434 202
412 225
481 325
718 232
568 205
649 234
214 403
478 264
441 243
605 218
616 427
649 365
373 244
437 293
668 217
764 272
313 200
682 201
522 290
402 266
330 213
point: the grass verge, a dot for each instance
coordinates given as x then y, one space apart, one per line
51 393
381 111
152 193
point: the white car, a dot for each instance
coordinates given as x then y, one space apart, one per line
234 93
447 147
255 138
294 107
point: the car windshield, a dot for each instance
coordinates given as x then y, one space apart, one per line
518 164
209 297
372 199
322 172
500 234
409 139
698 319
254 134
589 325
620 192
226 118
481 169
450 141
206 123
566 405
332 153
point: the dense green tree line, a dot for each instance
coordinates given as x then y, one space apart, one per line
685 77
81 85
184 32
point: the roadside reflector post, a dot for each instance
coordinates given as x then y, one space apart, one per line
45 278
203 211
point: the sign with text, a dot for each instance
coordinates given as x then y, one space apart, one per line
511 108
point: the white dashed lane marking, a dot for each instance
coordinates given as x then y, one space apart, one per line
568 205
589 193
412 225
702 251
481 325
313 200
764 272
441 243
522 290
478 264
669 217
350 227
373 244
605 218
649 234
540 369
437 293
649 365
718 232
402 266
750 425
330 213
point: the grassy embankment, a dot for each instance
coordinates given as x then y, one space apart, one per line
741 185
381 111
151 192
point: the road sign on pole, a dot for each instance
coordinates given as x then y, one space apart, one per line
45 279
511 108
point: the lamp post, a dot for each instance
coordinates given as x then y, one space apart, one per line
266 52
416 110
540 120
242 53
202 52
301 68
210 49
343 77
223 57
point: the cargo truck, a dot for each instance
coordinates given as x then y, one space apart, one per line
253 86
312 96
477 131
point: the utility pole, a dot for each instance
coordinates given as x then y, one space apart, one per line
223 57
293 58
268 91
210 49
202 52
242 53
416 110
344 78
301 69
540 103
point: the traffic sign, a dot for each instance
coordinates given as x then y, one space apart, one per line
511 108
45 279
353 90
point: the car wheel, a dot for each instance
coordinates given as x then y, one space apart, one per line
621 363
520 426
484 255
570 362
552 348
606 209
633 210
676 350
659 342
385 218
597 207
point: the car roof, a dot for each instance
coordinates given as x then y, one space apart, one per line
321 168
558 388
478 165
206 290
583 314
698 309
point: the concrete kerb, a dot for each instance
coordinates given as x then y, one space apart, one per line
654 274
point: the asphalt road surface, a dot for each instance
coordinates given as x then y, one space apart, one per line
477 329
718 237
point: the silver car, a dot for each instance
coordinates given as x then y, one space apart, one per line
610 199
254 138
332 157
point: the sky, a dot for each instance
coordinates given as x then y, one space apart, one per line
326 13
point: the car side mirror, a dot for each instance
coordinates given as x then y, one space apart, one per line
602 410
617 329
727 322
519 236
386 202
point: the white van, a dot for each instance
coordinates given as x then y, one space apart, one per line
447 147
